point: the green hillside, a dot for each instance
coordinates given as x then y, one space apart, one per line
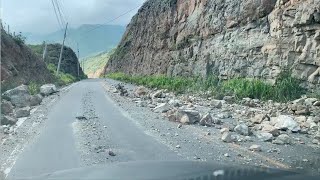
92 39
94 66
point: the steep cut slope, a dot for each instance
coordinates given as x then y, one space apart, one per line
228 38
92 38
94 66
19 65
69 62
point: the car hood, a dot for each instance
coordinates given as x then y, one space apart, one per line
176 170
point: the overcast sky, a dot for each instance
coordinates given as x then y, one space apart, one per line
38 16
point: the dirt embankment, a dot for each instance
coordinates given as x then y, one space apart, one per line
19 65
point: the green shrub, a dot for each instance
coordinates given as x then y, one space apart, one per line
64 79
52 68
19 39
285 89
34 88
243 88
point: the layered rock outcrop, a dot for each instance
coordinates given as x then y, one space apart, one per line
227 38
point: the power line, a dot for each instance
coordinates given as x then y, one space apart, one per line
100 25
55 11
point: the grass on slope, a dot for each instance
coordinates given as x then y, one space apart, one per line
285 89
93 66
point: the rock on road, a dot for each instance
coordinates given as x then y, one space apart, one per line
66 142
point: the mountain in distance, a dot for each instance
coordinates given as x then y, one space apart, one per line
92 38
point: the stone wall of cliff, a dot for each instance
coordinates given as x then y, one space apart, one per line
227 38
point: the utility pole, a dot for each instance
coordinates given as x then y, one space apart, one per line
78 60
61 52
44 51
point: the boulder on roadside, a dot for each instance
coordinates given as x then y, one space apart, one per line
242 129
284 122
22 112
6 107
264 136
259 118
228 137
189 116
270 129
162 108
310 101
216 104
173 115
224 130
18 91
282 139
140 91
206 120
48 89
175 102
36 100
157 94
8 120
19 96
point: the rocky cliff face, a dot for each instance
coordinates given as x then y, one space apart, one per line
19 65
227 38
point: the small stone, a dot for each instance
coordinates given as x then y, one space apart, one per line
259 118
179 126
229 99
140 91
282 139
317 103
206 120
162 108
189 116
264 136
315 141
174 103
256 148
111 153
228 137
270 129
242 129
224 130
178 146
22 112
216 104
157 94
226 155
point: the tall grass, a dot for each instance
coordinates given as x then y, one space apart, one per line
34 88
285 89
62 78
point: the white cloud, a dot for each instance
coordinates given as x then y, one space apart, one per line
38 15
